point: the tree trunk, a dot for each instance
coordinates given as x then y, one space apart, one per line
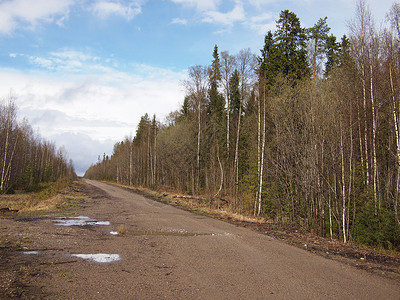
236 163
258 146
315 57
3 172
198 146
396 129
343 186
262 159
222 175
130 163
374 129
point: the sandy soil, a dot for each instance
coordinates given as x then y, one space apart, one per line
162 252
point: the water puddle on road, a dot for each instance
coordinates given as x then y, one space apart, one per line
31 252
165 233
228 234
79 221
99 257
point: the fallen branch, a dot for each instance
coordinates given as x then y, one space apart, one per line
190 197
8 210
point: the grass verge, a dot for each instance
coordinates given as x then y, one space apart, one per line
52 197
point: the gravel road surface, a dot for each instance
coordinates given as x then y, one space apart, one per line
168 253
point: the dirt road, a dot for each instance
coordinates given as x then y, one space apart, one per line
167 253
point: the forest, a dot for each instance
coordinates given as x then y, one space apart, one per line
27 162
304 133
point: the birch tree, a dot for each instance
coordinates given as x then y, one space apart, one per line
196 86
10 142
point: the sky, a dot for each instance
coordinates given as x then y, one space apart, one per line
83 72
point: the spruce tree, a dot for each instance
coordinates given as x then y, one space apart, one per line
269 60
290 39
332 54
216 103
216 100
285 52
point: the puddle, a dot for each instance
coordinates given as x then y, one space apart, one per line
114 232
223 234
165 233
174 230
99 258
31 252
79 221
105 223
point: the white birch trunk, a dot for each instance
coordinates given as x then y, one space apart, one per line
130 163
374 129
396 129
262 159
236 163
343 187
3 172
198 145
258 149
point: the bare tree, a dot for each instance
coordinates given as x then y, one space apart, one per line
227 67
196 86
246 64
10 141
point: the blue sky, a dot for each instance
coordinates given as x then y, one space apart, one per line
84 71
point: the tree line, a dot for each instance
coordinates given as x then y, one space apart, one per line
306 133
27 160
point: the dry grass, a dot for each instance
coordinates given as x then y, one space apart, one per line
121 229
49 199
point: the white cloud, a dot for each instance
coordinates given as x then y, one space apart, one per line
73 55
42 62
261 23
107 8
259 3
228 18
201 5
88 151
179 21
101 103
66 60
16 13
210 12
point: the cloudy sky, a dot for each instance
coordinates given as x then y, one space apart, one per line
84 71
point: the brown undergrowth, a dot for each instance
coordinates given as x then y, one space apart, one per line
51 198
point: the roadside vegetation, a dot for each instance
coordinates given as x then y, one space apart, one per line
61 195
305 134
32 171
